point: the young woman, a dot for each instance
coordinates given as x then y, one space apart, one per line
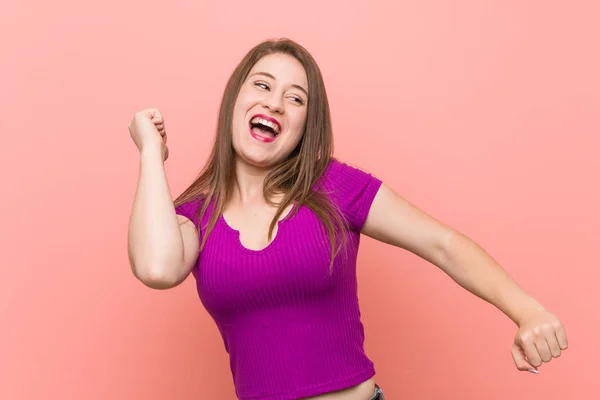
270 230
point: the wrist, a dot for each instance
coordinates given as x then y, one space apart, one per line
152 151
525 309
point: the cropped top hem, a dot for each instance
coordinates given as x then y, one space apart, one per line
321 389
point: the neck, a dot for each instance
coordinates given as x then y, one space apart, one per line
248 183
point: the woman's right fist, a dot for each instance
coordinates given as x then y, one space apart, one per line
147 129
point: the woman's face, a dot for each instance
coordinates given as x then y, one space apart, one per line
270 111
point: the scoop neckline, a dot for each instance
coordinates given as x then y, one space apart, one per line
237 235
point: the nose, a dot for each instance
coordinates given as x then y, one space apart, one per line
273 103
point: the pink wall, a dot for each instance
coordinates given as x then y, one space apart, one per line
484 115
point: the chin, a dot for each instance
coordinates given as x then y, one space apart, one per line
257 160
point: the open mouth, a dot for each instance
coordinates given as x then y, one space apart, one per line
264 128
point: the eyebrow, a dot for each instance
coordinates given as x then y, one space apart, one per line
272 77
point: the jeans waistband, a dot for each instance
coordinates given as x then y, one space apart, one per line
377 394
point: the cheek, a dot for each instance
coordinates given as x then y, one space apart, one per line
298 122
239 117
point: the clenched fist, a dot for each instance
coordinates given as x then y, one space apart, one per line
147 129
540 338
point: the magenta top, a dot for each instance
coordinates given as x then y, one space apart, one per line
291 329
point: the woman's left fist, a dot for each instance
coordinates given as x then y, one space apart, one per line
540 338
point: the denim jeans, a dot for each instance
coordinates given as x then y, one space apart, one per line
378 394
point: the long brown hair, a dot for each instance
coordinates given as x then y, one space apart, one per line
296 177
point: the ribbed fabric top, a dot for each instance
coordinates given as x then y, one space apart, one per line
291 328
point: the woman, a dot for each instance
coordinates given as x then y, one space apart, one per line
271 229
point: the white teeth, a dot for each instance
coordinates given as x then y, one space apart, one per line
270 124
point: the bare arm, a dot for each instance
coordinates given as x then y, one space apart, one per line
395 221
162 246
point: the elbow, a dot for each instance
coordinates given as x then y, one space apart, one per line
457 251
447 248
157 276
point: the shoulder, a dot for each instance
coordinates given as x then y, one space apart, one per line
343 173
352 189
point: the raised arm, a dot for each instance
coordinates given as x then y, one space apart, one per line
162 246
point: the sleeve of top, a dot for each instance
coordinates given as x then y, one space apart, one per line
189 210
353 190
